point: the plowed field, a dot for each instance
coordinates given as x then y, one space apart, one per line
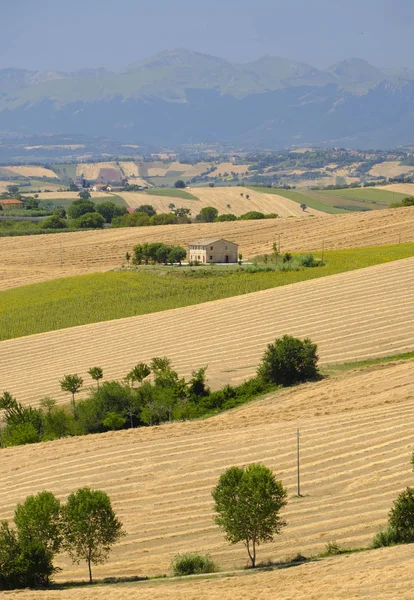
354 315
225 200
355 458
31 259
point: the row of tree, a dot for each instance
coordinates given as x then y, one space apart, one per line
139 401
86 527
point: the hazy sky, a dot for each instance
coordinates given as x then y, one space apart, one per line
70 34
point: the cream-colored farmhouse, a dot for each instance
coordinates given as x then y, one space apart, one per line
213 250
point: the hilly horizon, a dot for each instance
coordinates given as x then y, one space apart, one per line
183 97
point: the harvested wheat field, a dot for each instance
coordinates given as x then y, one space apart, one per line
399 188
94 171
390 169
30 171
351 316
31 259
355 456
381 575
56 196
225 200
228 167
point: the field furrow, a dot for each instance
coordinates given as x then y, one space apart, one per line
32 259
352 316
355 448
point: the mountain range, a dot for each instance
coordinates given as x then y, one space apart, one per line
182 97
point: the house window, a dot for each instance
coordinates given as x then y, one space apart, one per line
211 258
211 247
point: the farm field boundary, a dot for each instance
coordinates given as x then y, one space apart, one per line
106 296
351 316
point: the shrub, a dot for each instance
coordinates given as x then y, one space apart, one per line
307 260
288 361
226 217
54 222
386 537
90 220
192 564
401 517
252 215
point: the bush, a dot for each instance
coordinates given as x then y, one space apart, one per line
54 222
288 361
252 215
226 217
192 564
386 537
401 517
91 220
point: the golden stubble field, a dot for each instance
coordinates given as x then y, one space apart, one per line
31 259
225 200
30 171
356 447
351 316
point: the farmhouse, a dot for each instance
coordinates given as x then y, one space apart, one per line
10 203
214 250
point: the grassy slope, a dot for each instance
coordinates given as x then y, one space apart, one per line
371 195
105 296
300 198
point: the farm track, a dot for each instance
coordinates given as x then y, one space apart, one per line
356 449
32 259
351 316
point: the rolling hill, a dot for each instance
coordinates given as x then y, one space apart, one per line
356 449
351 316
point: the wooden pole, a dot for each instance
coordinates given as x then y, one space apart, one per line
298 459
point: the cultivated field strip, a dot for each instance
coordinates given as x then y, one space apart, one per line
351 316
356 449
32 259
225 200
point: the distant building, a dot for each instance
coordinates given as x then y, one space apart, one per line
11 203
213 250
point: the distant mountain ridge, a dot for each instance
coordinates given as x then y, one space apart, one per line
179 96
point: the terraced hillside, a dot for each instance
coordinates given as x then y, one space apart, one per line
38 258
351 316
356 450
225 200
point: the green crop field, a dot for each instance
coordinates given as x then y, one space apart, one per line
171 193
300 198
65 170
369 194
105 296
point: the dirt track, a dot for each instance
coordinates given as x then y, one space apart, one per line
351 316
31 259
355 449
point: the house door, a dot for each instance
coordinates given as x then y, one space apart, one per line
227 258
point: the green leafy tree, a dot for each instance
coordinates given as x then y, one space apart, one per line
96 373
13 189
109 210
114 421
208 214
138 373
288 361
303 207
148 209
90 220
176 254
84 194
90 527
73 187
53 222
38 519
19 435
401 517
252 215
80 207
180 184
164 219
225 217
72 384
247 503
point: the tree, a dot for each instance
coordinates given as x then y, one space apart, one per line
409 201
54 222
138 373
109 210
148 209
180 184
208 214
114 421
13 189
90 220
72 384
90 527
303 207
164 219
289 360
252 215
73 187
38 519
80 207
84 194
176 254
247 503
96 373
225 217
401 516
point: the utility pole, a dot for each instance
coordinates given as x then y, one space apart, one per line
298 458
61 254
323 249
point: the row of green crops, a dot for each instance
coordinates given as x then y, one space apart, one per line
104 296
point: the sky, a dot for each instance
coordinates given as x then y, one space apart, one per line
67 35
